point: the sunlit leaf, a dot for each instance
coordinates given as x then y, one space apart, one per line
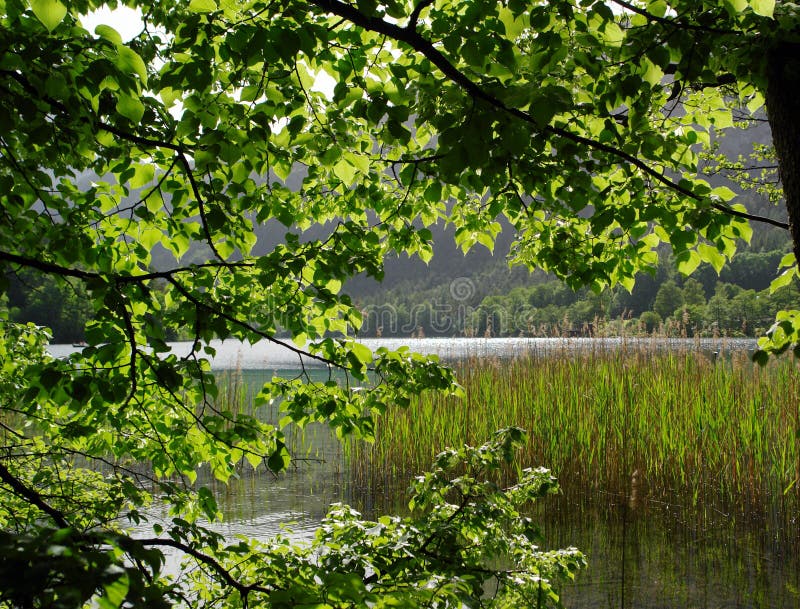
763 7
129 61
114 593
784 279
688 261
362 352
202 6
49 12
130 107
109 33
345 171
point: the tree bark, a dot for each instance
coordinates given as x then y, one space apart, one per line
783 112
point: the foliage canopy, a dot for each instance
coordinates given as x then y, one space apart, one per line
580 122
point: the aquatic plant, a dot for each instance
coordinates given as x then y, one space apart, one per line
683 422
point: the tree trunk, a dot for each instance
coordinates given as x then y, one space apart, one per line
783 111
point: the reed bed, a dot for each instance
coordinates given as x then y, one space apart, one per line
633 422
236 391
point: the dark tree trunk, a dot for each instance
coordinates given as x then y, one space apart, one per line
783 112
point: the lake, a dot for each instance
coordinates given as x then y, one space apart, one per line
235 355
651 553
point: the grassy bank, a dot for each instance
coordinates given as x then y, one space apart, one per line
632 421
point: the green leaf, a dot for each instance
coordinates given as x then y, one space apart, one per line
207 503
433 193
486 241
688 261
169 95
712 255
787 260
783 279
149 237
613 34
362 352
542 112
279 460
345 171
760 357
722 119
202 6
108 33
130 107
724 193
345 588
765 8
49 12
549 101
737 5
657 7
514 26
130 62
756 102
115 593
142 176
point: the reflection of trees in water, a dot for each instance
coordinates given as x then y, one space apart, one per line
669 554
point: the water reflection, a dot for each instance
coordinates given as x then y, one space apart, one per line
260 505
670 556
236 355
652 555
659 554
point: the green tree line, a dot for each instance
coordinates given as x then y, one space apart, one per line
737 301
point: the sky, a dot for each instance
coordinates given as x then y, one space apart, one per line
127 21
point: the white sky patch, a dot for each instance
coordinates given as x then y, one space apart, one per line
127 21
324 83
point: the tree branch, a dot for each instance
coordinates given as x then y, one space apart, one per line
32 497
126 317
207 560
200 204
429 51
748 216
169 276
419 161
130 137
142 141
56 269
47 267
413 18
250 328
670 22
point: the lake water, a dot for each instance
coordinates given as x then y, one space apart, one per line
652 554
235 355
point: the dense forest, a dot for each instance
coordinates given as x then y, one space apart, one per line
499 302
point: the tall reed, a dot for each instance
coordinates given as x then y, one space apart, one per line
235 397
665 422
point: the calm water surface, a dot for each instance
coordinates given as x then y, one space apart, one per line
643 554
235 355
